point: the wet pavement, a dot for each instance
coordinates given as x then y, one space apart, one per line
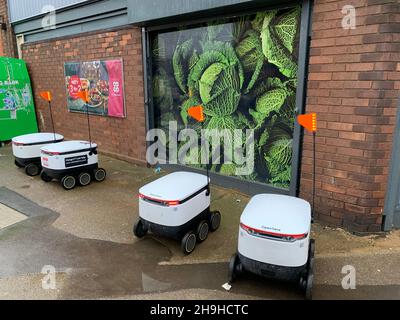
86 235
95 268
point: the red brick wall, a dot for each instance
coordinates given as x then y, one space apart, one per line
122 137
354 79
354 82
7 39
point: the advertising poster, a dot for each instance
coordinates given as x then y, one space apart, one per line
104 81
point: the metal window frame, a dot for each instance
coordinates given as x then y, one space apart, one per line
391 211
248 187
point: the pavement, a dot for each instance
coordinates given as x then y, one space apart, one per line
85 237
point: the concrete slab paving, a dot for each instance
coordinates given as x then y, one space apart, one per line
9 216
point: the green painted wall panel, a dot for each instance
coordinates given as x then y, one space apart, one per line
17 110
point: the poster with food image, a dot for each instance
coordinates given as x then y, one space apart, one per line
243 71
104 82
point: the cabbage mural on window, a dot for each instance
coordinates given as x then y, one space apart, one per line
244 73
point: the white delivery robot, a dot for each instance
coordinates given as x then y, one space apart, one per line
177 206
274 240
26 150
274 233
71 162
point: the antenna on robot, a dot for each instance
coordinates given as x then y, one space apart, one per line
46 95
196 112
309 122
84 95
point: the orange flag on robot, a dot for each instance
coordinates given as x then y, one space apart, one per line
84 95
196 112
308 121
46 95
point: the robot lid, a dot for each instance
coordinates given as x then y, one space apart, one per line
175 186
37 138
69 147
277 215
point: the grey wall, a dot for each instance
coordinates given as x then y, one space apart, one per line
148 10
92 15
82 17
22 9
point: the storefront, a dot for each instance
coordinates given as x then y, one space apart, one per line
252 65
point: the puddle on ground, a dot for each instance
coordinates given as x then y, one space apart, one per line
98 269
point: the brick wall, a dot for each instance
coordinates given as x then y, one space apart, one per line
120 137
7 39
354 82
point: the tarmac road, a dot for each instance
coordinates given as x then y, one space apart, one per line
86 235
